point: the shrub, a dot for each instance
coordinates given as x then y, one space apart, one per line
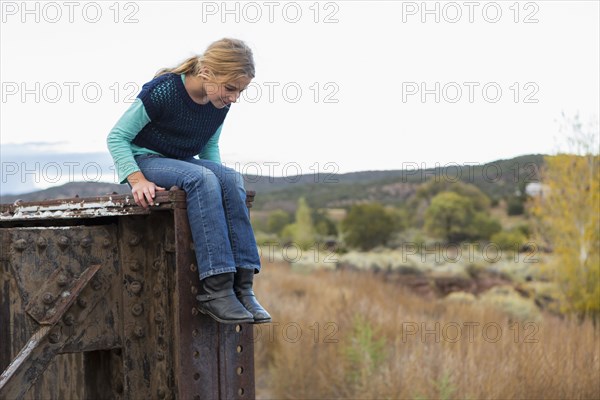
510 240
368 226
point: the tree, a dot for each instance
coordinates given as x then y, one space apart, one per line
368 225
449 216
302 231
454 218
324 226
277 220
568 218
428 190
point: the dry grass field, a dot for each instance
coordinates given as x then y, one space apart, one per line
352 335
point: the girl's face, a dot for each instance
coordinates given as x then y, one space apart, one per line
221 95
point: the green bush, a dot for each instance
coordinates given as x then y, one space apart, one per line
483 226
449 216
369 225
509 240
277 220
515 205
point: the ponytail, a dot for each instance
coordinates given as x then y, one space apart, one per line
225 60
189 65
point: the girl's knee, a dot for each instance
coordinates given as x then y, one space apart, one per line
201 176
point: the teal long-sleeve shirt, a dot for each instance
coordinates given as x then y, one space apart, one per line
123 151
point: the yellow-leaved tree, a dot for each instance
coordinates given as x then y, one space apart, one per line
568 215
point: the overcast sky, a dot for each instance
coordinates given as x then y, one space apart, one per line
340 86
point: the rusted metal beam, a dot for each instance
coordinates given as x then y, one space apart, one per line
93 207
132 325
45 344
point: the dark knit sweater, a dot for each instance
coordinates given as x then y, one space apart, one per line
178 127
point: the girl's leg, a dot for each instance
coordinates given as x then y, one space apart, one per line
204 207
209 229
241 235
243 243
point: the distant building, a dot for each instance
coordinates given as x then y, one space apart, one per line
536 189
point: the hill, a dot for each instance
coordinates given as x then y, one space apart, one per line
69 190
498 179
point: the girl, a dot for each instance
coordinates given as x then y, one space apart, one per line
176 116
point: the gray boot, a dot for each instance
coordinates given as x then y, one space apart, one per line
218 300
242 285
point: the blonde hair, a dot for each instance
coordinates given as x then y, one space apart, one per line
224 61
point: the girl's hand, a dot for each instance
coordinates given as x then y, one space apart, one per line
142 189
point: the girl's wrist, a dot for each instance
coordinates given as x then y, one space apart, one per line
135 177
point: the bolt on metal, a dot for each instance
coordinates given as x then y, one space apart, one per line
62 280
138 331
48 298
137 309
135 287
20 244
54 337
135 240
69 319
63 242
41 242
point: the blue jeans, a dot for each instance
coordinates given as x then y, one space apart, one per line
216 208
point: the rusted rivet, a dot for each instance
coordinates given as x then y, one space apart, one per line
240 391
51 312
138 331
194 311
135 240
160 355
62 280
48 298
157 291
161 393
196 354
135 287
63 242
240 370
239 349
194 290
41 242
193 267
20 244
192 247
156 265
135 266
82 302
137 309
86 242
105 242
96 284
69 319
196 376
158 317
54 337
195 332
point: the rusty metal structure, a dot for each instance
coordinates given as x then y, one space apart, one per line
97 301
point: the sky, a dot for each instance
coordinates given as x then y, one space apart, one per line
340 86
